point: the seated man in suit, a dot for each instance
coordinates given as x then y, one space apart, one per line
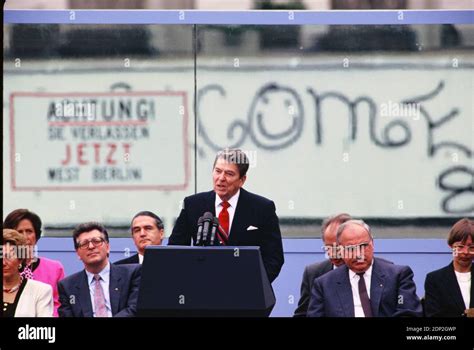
449 291
101 289
246 218
147 229
365 286
328 235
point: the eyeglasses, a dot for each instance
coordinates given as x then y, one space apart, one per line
356 247
96 242
458 247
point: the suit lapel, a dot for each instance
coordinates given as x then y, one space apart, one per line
240 215
114 289
344 292
136 259
84 296
377 285
211 203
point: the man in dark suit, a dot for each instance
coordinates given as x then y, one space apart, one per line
247 219
147 229
101 289
449 291
328 235
365 286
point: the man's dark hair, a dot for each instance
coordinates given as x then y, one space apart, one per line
158 221
335 219
13 220
235 156
87 227
461 230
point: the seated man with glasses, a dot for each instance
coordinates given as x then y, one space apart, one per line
449 291
101 289
365 286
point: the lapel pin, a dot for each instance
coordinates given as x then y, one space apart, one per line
117 288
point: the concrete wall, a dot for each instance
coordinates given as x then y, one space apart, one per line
375 136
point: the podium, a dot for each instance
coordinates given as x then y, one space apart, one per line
182 281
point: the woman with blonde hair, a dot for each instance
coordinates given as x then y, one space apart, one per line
22 297
37 268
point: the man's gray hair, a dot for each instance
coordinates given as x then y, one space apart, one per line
344 225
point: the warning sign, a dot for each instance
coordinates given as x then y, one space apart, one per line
99 141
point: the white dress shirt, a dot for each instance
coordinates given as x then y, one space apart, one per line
231 209
354 279
140 258
464 281
104 282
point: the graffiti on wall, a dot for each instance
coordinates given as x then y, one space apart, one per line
391 136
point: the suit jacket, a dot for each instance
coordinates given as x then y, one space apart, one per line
36 300
251 210
310 273
75 299
443 296
392 292
133 259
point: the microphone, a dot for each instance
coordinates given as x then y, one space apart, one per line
199 231
207 219
215 225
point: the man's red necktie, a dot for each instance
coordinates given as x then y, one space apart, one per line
224 221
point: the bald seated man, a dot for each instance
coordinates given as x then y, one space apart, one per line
364 286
